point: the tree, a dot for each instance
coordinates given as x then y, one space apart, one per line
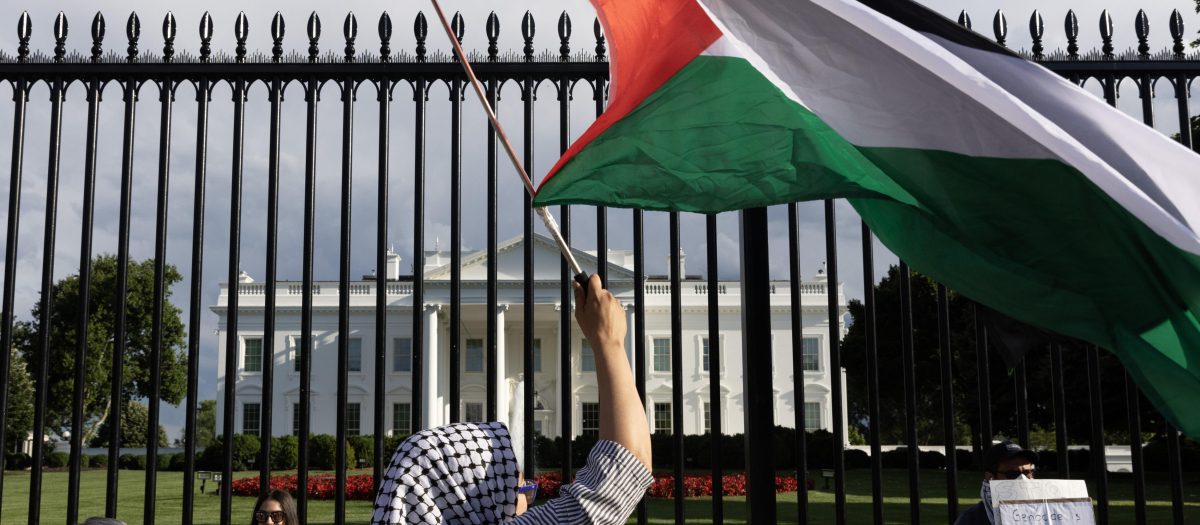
101 336
1193 122
20 401
135 417
206 425
965 376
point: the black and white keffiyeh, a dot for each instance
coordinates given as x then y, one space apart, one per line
460 474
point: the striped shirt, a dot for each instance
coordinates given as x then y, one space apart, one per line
604 492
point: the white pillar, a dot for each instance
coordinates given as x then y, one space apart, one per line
432 409
501 374
630 320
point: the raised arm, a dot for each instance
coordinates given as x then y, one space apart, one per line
622 416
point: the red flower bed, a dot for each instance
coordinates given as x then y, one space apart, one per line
319 487
359 487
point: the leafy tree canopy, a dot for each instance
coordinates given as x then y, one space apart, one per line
100 337
20 402
135 419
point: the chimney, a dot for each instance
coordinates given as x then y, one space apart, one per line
682 265
393 265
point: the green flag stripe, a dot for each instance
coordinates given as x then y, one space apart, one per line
718 136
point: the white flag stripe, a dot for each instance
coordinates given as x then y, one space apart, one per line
1163 169
880 84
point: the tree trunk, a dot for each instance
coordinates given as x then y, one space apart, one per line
88 437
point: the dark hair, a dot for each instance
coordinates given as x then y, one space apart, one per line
284 499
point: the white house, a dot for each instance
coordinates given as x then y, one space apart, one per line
812 406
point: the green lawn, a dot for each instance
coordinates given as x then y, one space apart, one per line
698 510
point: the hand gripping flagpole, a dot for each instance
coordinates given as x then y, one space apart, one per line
547 219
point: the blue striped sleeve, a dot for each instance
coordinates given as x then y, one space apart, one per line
604 492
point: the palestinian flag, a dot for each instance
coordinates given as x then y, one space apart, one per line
984 171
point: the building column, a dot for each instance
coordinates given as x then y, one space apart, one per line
501 374
433 407
630 320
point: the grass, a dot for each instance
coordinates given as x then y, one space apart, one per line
169 500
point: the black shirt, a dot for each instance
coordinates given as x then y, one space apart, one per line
976 515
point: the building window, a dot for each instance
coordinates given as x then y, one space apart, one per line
537 427
353 419
704 352
812 416
355 355
812 358
250 418
401 419
591 419
299 348
402 355
295 419
254 357
537 355
707 418
662 355
662 418
474 412
589 358
474 358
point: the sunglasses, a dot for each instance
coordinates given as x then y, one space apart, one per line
529 490
261 516
1014 474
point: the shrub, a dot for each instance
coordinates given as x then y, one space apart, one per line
322 452
285 452
164 461
16 461
1047 460
857 459
932 459
84 461
177 462
245 447
133 462
964 458
364 449
896 458
1155 453
391 443
99 461
57 460
547 451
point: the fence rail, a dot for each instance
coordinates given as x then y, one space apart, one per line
342 64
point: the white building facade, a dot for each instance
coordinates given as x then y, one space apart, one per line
806 399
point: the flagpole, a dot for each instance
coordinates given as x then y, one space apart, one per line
547 218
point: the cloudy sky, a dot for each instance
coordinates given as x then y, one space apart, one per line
400 224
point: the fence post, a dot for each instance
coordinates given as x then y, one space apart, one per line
756 366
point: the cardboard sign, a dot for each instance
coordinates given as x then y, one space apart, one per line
1042 502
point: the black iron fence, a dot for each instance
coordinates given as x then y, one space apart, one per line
129 70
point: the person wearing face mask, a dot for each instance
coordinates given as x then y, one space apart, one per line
467 473
1005 460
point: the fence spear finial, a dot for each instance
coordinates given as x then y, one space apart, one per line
278 28
97 37
1177 33
599 31
528 28
385 38
241 29
1141 26
314 34
24 31
1037 28
1106 34
564 36
350 30
206 32
1000 27
133 30
169 38
492 28
420 31
964 19
459 27
60 37
1071 25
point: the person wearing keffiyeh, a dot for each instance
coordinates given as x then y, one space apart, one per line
467 473
1003 461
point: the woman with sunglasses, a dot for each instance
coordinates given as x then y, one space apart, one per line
467 473
275 507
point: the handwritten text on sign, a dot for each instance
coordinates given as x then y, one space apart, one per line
1048 501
